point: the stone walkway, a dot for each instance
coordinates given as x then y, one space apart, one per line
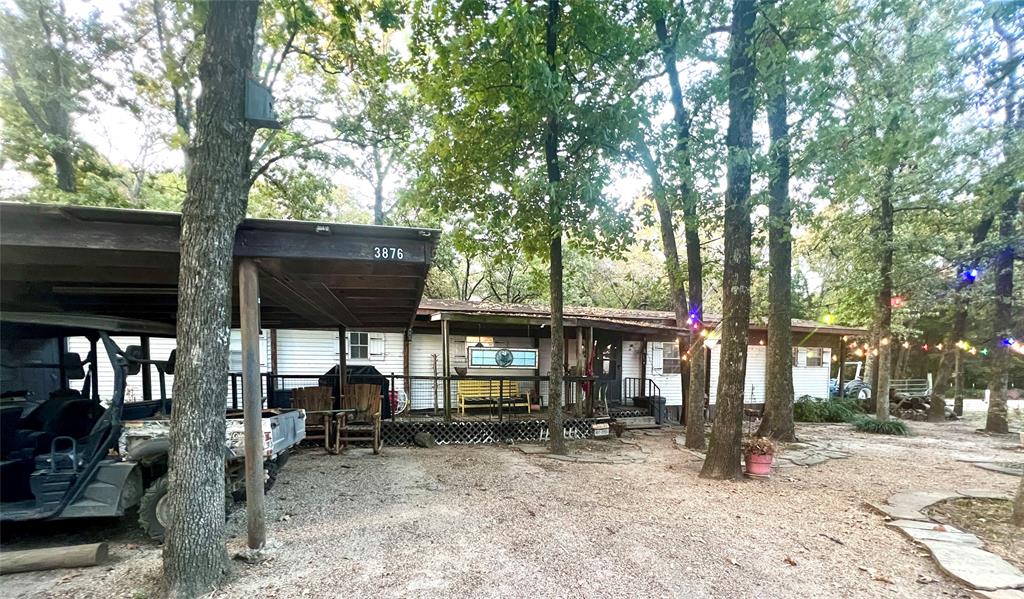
960 554
808 453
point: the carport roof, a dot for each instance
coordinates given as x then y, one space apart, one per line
124 263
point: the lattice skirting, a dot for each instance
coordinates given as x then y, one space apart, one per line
470 432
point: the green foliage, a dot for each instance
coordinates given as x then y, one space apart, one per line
50 79
483 72
870 424
810 409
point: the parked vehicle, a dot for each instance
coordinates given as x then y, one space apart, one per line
854 385
66 452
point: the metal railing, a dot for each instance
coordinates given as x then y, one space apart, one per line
637 387
505 396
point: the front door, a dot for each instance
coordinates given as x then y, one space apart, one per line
607 364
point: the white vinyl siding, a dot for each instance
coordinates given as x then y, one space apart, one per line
159 348
811 380
670 384
754 382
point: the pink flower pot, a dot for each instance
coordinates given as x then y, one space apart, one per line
759 464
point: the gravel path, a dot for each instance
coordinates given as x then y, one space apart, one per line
494 522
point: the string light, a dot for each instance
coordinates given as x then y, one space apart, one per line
704 333
924 347
906 345
984 351
828 319
874 352
973 351
884 341
859 353
971 275
896 301
938 346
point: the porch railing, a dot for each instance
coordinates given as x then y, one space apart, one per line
637 387
424 395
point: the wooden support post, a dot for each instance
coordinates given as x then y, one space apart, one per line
147 375
273 351
958 385
446 371
581 366
249 319
406 352
643 366
589 354
536 373
342 367
842 362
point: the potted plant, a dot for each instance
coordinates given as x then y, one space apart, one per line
759 453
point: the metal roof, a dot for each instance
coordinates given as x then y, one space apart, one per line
124 263
640 319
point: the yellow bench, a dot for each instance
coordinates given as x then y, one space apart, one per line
488 393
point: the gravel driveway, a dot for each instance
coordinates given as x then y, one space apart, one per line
491 521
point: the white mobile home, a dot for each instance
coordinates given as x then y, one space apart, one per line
635 351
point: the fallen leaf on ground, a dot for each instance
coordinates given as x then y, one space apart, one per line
790 561
733 561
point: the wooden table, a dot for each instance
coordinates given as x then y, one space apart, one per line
334 421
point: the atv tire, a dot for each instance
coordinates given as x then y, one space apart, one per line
154 511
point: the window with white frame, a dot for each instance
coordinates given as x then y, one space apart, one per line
810 357
670 358
358 346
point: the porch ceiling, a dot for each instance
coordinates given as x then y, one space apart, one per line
125 263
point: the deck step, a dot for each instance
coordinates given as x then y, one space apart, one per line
635 422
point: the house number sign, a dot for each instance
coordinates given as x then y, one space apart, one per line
388 253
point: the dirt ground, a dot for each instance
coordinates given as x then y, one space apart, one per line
492 521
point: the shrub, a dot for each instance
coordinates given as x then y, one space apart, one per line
870 424
809 409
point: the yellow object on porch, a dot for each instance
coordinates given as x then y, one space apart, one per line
488 392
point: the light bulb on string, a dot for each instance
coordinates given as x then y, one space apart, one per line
971 275
896 301
906 345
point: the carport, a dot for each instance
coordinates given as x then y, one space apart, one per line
290 274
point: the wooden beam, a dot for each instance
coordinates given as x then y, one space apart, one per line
249 312
282 295
446 370
342 364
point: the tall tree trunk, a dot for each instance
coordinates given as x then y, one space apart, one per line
681 160
723 458
215 202
948 361
1002 314
777 421
1002 317
668 244
886 219
557 374
378 188
64 165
